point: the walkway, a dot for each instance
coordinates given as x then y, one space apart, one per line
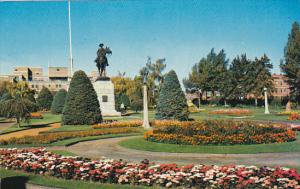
4 125
29 132
109 148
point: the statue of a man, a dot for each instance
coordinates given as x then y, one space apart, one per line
101 60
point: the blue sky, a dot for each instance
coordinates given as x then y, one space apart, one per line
35 33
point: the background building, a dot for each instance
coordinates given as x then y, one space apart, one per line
281 87
56 79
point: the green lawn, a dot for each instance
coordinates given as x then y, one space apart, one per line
61 183
258 114
141 144
63 152
34 123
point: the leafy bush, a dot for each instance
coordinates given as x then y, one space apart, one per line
137 104
81 104
172 103
219 132
58 102
44 99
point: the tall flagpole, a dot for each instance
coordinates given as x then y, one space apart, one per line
70 39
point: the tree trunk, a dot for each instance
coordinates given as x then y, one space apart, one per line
18 122
255 102
288 107
225 103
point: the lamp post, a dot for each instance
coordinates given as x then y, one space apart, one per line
200 92
146 124
266 102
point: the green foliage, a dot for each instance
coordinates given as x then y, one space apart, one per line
136 104
210 74
121 98
58 102
81 104
44 99
171 102
5 96
291 66
17 105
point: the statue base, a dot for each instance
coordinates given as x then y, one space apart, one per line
102 78
106 96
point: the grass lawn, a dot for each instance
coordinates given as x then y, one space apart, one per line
61 183
141 144
63 152
34 123
258 114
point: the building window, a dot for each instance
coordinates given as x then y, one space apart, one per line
32 86
59 85
49 85
57 69
104 98
16 69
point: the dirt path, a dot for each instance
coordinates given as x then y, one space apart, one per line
109 148
4 125
29 132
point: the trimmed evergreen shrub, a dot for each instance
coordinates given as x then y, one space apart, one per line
58 101
44 99
81 104
172 103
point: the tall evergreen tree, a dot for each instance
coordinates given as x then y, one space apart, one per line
81 104
291 66
240 68
172 103
260 76
58 102
44 99
209 74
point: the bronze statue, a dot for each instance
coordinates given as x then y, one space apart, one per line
101 60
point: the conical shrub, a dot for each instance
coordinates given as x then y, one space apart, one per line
171 103
81 105
44 99
58 102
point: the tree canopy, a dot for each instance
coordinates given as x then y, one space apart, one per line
291 64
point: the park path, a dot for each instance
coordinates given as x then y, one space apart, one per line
109 148
29 132
5 124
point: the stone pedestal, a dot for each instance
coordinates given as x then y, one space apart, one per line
106 97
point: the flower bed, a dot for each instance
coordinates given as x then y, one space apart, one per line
294 116
116 124
41 162
219 132
232 112
36 115
53 137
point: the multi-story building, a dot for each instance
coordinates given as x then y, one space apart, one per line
281 87
57 77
